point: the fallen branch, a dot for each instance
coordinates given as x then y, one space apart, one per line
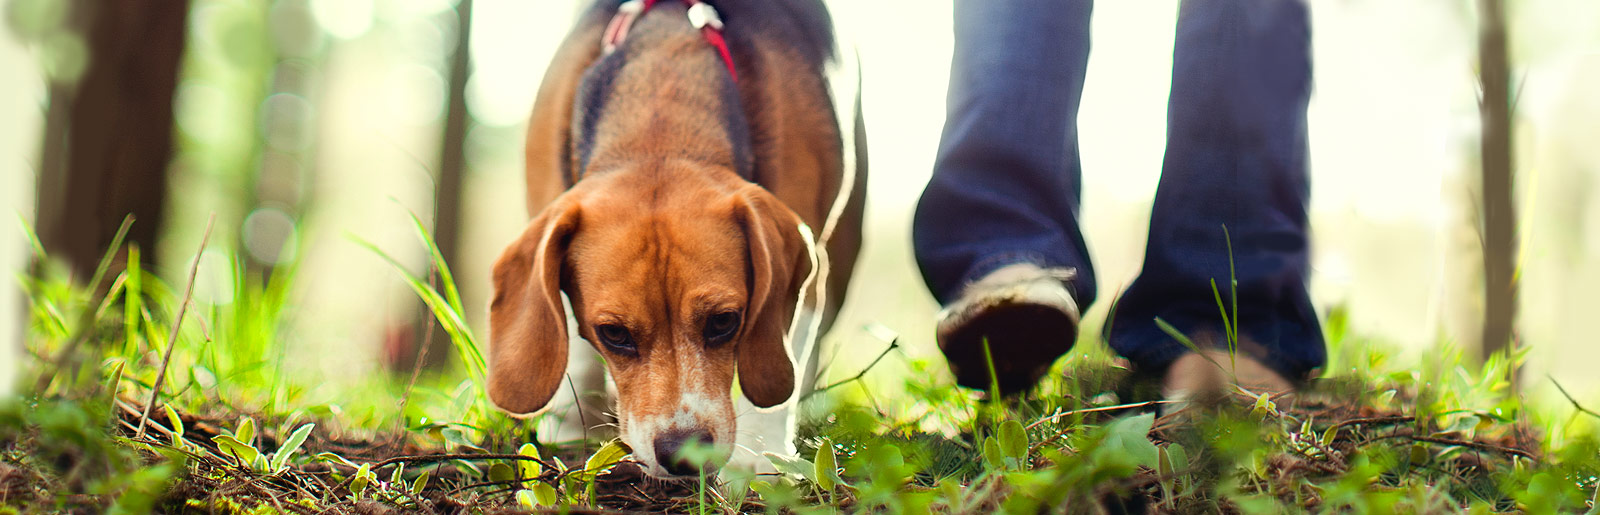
1465 443
431 458
893 344
172 339
1372 421
1570 399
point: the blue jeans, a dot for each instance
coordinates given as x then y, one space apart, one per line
1006 182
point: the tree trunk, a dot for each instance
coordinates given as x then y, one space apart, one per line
119 131
1499 208
447 188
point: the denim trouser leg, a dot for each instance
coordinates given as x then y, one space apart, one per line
1006 179
1236 158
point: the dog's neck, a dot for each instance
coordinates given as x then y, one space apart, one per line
664 94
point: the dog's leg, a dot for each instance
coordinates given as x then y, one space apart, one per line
761 431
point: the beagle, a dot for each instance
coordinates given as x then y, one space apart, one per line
690 196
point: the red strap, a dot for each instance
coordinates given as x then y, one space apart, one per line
714 37
701 14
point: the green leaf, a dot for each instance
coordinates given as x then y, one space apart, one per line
736 482
827 466
363 476
530 469
953 497
1179 458
1419 455
1014 440
114 377
231 446
793 465
499 472
525 498
605 458
993 455
545 495
1132 437
177 426
1263 404
420 483
247 430
459 438
328 456
398 476
174 421
290 445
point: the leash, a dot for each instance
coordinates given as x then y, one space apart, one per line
701 16
817 248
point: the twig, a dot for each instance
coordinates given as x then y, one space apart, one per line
1373 421
1464 443
893 344
1118 407
503 482
1035 447
430 458
86 321
172 338
1570 399
422 357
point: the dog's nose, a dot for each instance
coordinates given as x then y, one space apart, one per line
670 444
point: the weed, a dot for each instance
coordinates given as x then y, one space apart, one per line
237 432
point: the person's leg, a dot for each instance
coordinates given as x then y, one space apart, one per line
1236 160
1005 184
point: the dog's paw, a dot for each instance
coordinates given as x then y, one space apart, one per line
745 463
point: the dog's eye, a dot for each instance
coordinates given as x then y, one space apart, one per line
721 326
616 338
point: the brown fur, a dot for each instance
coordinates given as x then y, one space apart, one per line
658 230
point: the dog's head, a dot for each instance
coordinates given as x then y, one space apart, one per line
681 288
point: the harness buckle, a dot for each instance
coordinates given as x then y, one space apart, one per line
701 15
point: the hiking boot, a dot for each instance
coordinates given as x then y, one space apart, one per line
1028 318
1210 372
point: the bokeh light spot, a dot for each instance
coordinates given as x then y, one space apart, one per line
343 19
269 236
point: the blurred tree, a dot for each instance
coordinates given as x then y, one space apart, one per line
430 348
118 134
1499 208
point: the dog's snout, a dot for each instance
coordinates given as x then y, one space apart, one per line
670 447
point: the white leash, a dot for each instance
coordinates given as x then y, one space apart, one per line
818 248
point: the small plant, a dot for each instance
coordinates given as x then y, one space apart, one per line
237 432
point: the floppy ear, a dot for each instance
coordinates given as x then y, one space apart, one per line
779 263
527 324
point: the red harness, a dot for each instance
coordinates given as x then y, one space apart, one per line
701 15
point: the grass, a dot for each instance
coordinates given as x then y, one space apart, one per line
233 432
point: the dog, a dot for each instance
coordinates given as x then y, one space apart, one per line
690 196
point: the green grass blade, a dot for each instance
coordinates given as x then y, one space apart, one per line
290 445
1184 340
111 253
33 238
446 279
460 335
1233 280
1227 325
133 300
